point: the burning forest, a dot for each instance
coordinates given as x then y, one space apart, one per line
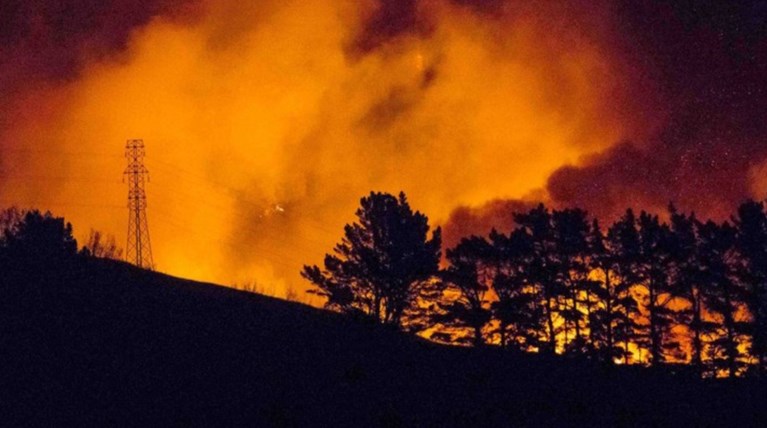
585 180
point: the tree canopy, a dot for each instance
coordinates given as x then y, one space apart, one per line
648 289
383 257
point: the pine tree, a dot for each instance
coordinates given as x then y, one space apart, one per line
722 295
519 315
751 242
621 260
654 270
570 229
543 269
381 261
468 278
685 279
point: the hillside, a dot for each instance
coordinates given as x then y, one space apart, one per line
103 343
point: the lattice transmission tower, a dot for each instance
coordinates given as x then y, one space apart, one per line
139 248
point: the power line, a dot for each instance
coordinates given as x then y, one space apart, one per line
76 154
10 175
168 167
233 193
66 205
238 195
175 222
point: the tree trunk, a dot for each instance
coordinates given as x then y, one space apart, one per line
732 348
550 323
655 353
478 341
588 318
697 344
626 329
377 307
502 326
609 308
574 297
759 329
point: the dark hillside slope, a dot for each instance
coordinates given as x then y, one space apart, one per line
103 343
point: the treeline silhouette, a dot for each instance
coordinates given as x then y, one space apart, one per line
35 244
640 291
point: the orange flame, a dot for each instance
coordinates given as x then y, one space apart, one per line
262 130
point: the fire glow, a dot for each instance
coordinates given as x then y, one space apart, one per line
265 123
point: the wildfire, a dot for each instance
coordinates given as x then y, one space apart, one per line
274 107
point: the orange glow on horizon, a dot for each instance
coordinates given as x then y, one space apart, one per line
262 132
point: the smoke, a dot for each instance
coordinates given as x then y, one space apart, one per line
265 122
466 221
712 62
706 149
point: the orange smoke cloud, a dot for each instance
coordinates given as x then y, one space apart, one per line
264 124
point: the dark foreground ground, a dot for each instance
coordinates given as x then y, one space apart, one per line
105 344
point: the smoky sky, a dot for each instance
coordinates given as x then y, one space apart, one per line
45 42
707 61
44 39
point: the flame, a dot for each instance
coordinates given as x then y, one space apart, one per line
264 124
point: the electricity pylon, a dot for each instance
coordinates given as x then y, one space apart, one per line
139 248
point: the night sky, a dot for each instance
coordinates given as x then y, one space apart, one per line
688 90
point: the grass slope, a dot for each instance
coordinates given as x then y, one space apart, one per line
106 344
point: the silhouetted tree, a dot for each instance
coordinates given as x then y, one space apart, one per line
612 310
571 229
685 278
599 296
37 249
544 268
39 237
382 259
517 309
596 294
101 247
624 256
9 221
722 295
751 223
468 279
654 268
